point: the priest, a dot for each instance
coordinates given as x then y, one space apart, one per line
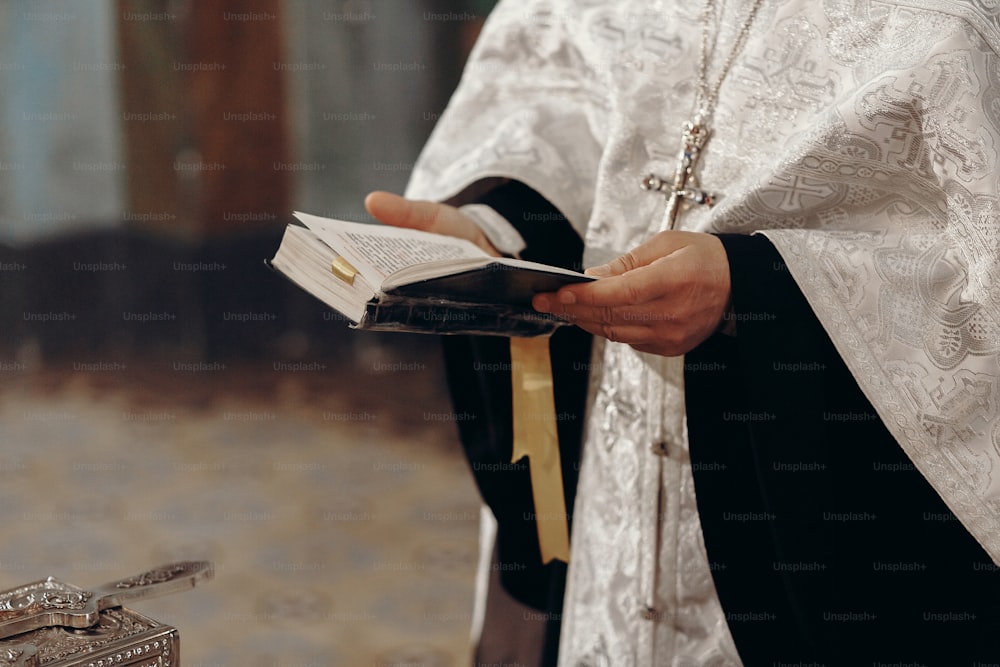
788 443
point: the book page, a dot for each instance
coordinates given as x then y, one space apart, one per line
306 261
379 250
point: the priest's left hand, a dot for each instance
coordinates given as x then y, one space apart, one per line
664 297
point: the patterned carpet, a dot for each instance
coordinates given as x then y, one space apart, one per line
334 502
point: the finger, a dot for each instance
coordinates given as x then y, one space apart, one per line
601 271
645 253
401 212
601 322
634 316
588 317
384 206
426 216
627 334
636 287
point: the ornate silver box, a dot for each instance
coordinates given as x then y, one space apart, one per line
51 623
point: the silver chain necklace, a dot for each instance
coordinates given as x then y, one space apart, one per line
682 190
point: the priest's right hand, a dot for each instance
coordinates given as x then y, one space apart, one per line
428 216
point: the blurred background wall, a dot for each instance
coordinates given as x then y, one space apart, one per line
197 127
163 395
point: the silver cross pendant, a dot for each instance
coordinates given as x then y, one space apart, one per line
681 190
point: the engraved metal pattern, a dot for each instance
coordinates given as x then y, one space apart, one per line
42 595
164 574
682 189
52 602
121 637
19 655
46 602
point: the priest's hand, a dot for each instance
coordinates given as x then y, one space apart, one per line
428 216
664 297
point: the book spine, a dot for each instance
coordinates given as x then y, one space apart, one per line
436 316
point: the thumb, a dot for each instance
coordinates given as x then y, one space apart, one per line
391 209
647 252
427 216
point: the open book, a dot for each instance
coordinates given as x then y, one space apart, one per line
391 278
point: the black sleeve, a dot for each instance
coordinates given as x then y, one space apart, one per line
479 378
826 545
549 236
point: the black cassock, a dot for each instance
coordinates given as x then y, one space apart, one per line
827 547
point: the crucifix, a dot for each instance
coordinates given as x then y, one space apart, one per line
682 190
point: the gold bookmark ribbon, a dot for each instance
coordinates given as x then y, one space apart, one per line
536 437
343 270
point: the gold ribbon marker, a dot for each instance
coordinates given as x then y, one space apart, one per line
536 437
343 270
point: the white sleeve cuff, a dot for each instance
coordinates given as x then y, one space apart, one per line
503 235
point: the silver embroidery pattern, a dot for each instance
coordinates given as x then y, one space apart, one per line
861 137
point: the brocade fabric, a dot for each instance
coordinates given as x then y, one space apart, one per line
861 137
